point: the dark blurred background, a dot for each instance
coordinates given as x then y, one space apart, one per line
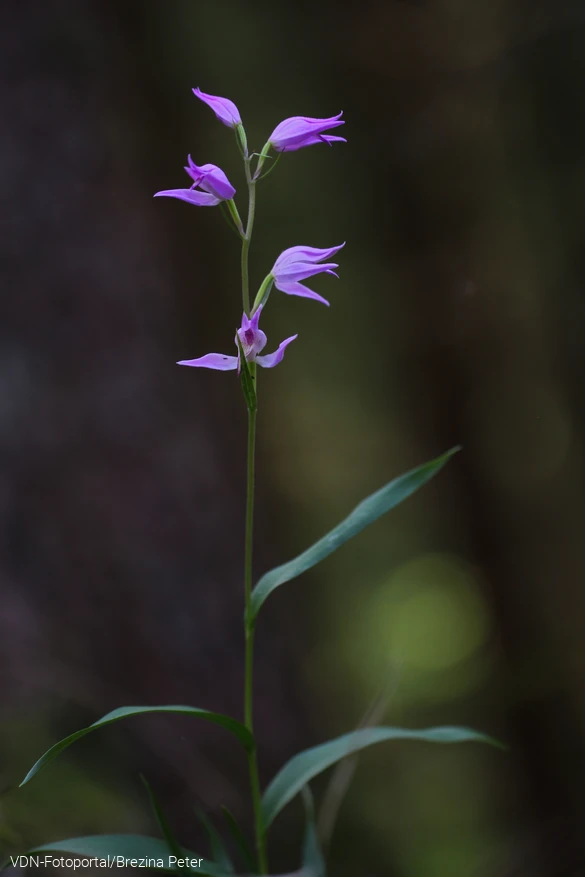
459 318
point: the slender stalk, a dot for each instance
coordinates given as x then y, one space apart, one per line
248 236
248 566
249 631
249 541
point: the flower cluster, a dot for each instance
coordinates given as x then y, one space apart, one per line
210 187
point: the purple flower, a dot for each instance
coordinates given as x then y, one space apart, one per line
299 131
212 182
298 263
253 340
225 110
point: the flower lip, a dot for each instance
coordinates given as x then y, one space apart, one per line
225 109
191 196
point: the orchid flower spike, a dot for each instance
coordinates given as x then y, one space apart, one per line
253 340
299 131
225 110
213 184
298 263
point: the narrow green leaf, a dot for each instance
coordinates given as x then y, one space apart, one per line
368 511
297 772
219 854
226 217
128 846
241 732
173 845
247 378
313 859
241 841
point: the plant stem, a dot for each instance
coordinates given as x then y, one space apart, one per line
248 236
248 566
249 542
249 632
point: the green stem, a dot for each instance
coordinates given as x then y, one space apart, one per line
248 236
249 539
248 566
249 631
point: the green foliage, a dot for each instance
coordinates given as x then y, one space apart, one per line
301 769
218 851
239 731
364 514
173 846
38 811
240 840
313 859
247 377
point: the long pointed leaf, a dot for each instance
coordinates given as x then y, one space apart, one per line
240 840
313 859
173 845
241 732
218 851
247 377
128 846
368 511
297 772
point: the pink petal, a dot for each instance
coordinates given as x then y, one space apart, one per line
309 140
200 199
302 270
255 318
306 254
225 109
300 127
218 361
296 288
272 359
